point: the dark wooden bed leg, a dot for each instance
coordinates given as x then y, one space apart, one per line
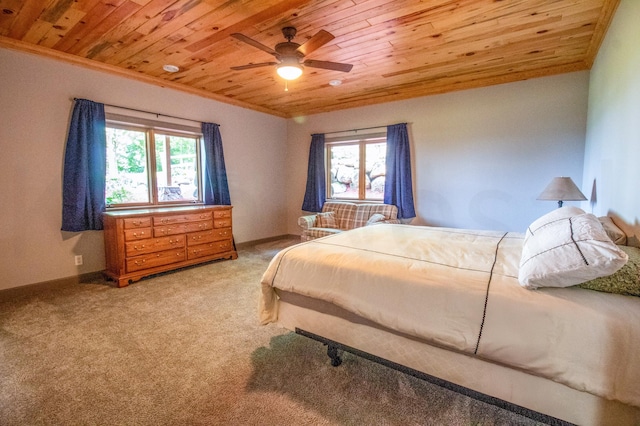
332 351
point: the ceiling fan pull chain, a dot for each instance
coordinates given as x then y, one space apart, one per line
286 85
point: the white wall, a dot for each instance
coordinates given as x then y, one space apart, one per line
35 106
612 153
481 157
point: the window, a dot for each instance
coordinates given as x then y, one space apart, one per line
356 168
148 165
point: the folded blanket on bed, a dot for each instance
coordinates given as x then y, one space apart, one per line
459 289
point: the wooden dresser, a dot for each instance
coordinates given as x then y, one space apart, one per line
144 242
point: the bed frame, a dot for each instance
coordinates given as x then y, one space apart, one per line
515 390
333 352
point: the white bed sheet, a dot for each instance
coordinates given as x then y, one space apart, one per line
458 289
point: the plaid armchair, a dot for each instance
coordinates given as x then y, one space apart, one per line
337 216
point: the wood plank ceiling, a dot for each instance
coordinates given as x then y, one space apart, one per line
399 48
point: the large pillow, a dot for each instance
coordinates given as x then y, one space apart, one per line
616 234
551 217
565 251
326 220
624 281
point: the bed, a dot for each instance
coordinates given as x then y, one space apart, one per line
468 308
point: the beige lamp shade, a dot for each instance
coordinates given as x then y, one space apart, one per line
562 189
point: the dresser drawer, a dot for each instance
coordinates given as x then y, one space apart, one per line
153 260
137 222
163 231
151 245
222 233
200 237
182 228
199 226
181 218
222 223
222 214
208 236
137 234
210 249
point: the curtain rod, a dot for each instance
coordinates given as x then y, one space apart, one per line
357 130
157 114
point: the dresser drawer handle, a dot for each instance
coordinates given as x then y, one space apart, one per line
140 262
135 234
139 248
164 220
173 241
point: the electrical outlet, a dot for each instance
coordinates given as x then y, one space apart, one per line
78 260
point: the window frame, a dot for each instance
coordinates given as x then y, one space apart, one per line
362 141
152 128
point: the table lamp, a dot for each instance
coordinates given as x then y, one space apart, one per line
562 189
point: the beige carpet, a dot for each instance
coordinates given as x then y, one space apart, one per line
185 348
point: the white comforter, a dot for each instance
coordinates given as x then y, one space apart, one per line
459 289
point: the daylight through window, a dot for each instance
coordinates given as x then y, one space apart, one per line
151 166
356 168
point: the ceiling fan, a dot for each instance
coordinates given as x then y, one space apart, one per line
291 55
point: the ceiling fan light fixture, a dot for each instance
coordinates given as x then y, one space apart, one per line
289 72
289 69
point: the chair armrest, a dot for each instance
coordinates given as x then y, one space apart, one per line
306 222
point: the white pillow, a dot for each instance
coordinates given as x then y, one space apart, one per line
375 218
561 252
551 217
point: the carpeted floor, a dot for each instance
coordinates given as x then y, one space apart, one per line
185 348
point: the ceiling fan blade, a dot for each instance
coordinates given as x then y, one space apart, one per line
253 43
321 38
334 66
249 66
